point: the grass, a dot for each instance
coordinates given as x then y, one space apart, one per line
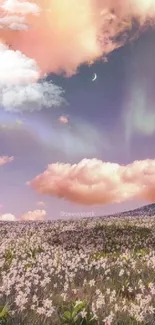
98 272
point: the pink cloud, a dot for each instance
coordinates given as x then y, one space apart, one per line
41 203
93 181
5 159
74 32
18 7
63 119
36 215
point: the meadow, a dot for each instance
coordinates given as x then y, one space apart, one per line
89 271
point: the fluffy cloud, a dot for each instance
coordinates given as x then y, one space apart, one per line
69 33
8 217
13 22
20 7
96 182
20 90
13 12
16 68
36 215
64 35
22 86
34 96
5 159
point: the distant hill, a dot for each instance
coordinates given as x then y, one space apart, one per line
146 210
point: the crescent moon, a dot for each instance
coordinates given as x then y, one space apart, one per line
95 77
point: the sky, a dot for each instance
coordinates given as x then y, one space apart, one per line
71 146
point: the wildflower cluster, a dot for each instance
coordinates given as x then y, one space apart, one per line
89 271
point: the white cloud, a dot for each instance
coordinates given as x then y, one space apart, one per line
20 7
36 215
31 97
13 22
8 217
16 68
21 86
19 89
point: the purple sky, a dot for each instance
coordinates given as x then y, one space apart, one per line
107 120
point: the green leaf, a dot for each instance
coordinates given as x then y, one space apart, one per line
3 312
78 308
67 315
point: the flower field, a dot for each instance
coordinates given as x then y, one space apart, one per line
89 271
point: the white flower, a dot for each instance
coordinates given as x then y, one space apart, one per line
41 311
92 283
130 289
83 313
121 272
